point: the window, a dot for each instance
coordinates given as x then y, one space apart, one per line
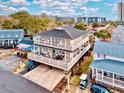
58 54
98 55
119 77
99 72
108 74
104 56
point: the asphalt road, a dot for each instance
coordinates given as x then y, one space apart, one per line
10 83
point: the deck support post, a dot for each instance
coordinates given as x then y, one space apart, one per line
68 81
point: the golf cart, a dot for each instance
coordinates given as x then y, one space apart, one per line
83 81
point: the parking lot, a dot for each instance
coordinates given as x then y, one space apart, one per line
9 63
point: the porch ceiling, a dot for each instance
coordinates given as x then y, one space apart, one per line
109 65
45 77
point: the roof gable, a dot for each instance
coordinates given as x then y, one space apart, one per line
67 32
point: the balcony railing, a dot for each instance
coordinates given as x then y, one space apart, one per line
64 45
74 60
110 81
57 63
47 61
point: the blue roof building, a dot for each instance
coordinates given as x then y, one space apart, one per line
11 37
26 44
109 48
108 64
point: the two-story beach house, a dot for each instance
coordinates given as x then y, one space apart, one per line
10 37
60 48
108 65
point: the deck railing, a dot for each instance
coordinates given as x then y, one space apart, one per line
64 45
110 81
57 63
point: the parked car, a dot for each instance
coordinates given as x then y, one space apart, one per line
97 88
83 81
31 65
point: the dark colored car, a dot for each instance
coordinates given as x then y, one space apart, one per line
97 88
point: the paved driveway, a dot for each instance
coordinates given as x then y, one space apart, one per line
10 83
87 90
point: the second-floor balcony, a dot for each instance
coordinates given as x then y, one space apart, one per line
58 61
60 43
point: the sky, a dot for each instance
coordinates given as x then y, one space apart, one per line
68 8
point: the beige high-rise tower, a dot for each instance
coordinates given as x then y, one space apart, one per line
120 11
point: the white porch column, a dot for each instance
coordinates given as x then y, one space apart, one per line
68 85
34 51
93 73
38 50
102 74
51 53
96 73
51 41
65 43
65 56
113 78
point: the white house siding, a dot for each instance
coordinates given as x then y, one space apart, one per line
101 56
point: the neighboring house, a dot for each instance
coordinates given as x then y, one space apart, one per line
118 34
10 37
60 48
108 64
26 44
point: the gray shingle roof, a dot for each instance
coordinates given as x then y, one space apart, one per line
67 32
109 48
109 65
11 33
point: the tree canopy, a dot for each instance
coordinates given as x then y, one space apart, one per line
98 24
30 24
103 34
81 26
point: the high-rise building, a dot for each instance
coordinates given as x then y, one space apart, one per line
120 11
91 20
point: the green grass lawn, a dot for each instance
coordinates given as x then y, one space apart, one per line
84 68
86 64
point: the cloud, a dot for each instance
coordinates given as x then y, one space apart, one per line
23 9
5 8
9 9
18 2
89 10
113 6
52 7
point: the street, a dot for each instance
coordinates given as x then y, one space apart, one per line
10 83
